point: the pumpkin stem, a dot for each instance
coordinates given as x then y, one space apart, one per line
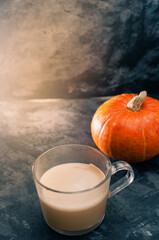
136 102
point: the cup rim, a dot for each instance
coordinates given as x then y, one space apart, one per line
72 192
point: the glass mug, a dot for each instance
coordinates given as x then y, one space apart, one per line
77 213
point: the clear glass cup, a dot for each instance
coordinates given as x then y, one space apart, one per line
75 220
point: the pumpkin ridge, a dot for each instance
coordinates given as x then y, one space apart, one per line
113 132
154 127
151 111
143 134
102 129
154 115
152 104
105 112
121 130
109 115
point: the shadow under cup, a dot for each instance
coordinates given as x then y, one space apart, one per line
77 213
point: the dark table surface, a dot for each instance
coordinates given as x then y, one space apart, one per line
28 128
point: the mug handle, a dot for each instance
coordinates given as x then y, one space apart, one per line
124 181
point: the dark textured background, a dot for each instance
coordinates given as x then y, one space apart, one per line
52 49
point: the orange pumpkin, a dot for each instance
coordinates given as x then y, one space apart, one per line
126 127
